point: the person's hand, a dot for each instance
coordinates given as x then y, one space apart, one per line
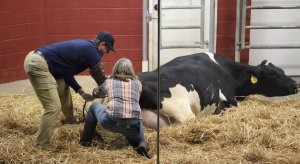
85 96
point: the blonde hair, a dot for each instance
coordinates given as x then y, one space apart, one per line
123 70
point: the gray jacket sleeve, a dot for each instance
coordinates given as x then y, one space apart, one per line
100 91
98 74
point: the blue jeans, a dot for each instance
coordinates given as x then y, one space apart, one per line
132 129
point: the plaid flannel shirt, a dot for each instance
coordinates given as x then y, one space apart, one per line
123 97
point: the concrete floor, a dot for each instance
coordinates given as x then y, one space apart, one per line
24 86
297 78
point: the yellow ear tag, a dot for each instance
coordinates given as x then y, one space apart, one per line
253 79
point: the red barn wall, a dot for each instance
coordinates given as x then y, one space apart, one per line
226 22
28 24
21 29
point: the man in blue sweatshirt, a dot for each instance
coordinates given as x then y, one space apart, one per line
51 71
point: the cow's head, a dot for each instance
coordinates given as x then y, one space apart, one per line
269 80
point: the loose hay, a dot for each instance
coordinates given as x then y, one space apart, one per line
258 131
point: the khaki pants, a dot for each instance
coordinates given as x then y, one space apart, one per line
54 95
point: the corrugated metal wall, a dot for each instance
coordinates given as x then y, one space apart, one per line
28 24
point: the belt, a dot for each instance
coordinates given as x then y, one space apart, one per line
39 53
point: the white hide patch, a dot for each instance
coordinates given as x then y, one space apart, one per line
182 105
209 109
212 57
222 96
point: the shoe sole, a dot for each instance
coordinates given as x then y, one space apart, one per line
143 152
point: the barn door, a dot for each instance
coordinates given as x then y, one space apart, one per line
274 33
187 26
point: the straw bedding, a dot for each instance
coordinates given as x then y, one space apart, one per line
258 131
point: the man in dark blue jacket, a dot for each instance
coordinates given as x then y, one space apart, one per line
51 71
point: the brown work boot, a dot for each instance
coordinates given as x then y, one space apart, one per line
45 146
143 150
69 121
88 134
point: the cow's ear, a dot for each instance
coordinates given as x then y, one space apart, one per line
264 62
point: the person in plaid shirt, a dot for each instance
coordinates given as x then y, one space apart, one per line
123 112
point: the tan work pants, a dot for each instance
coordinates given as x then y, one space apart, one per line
54 95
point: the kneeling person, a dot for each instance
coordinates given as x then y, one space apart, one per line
123 112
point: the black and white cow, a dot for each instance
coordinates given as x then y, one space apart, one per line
205 82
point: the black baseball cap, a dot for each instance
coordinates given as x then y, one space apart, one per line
108 39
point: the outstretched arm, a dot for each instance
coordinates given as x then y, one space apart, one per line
98 74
